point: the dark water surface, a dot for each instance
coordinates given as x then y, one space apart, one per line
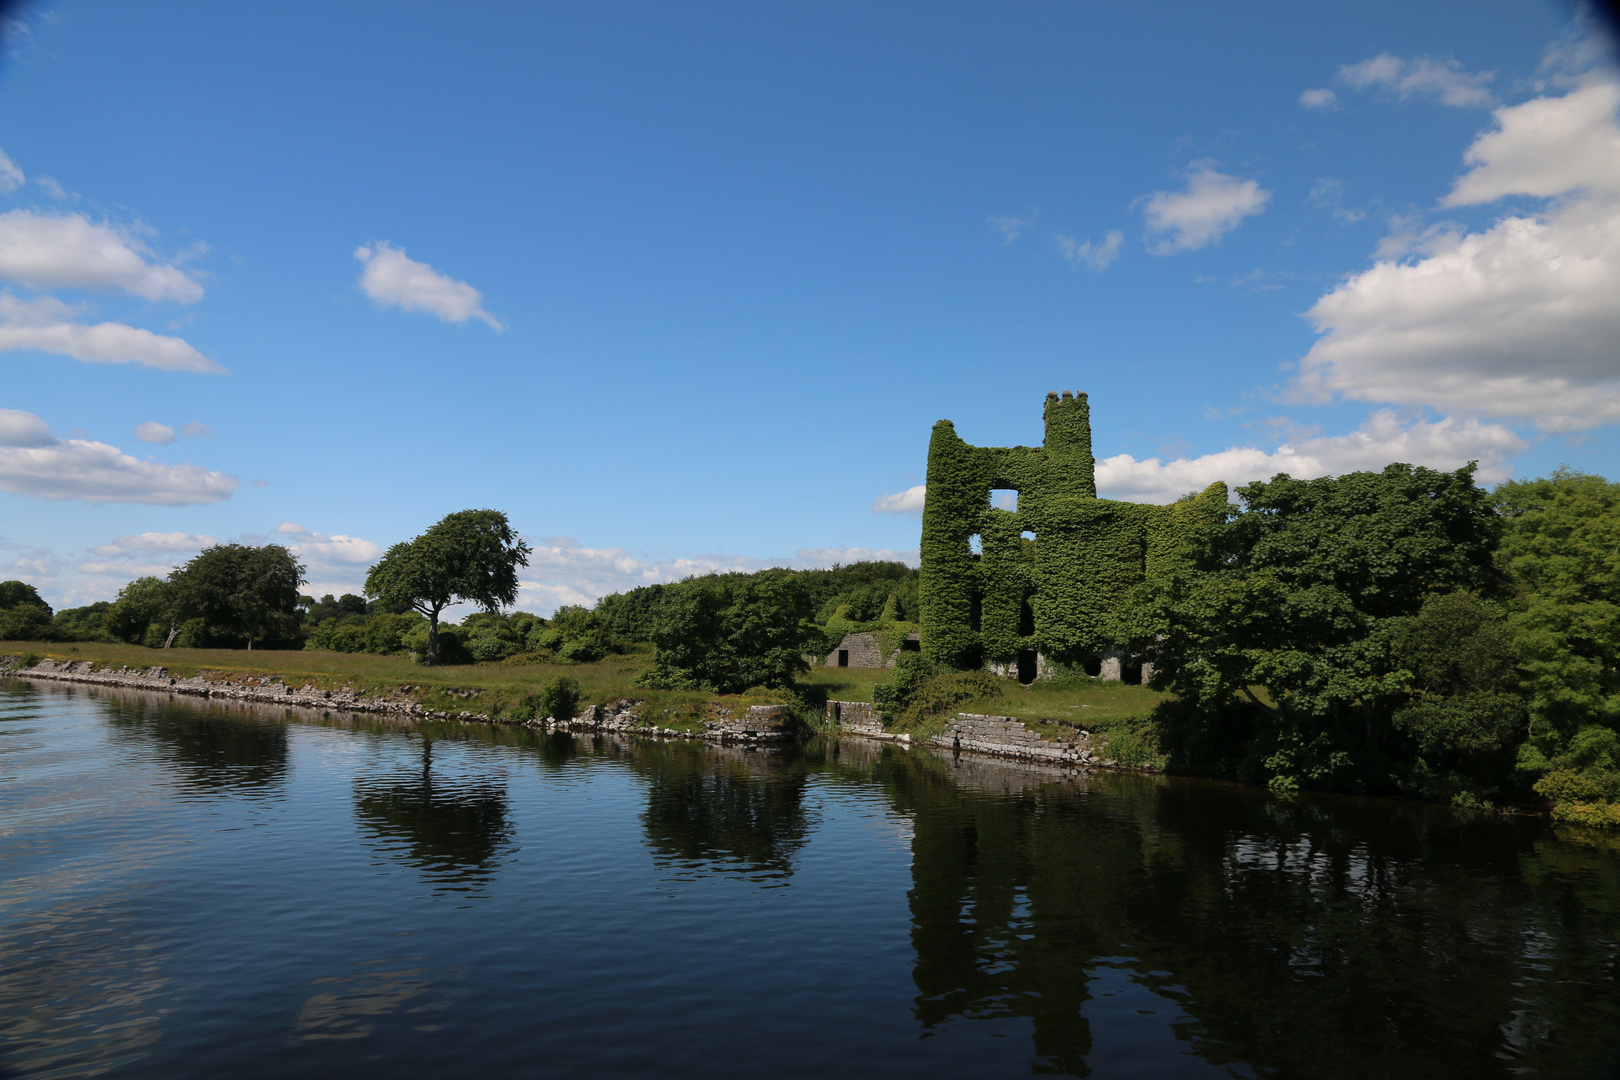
196 890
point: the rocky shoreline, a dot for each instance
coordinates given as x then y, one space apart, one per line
760 723
994 736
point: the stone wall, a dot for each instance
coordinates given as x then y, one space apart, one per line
858 717
1006 736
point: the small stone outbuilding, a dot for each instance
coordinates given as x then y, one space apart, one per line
863 650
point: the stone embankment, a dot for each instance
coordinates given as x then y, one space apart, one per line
760 723
1002 736
859 718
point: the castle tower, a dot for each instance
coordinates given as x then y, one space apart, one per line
1005 585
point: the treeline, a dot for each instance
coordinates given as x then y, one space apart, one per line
721 632
1398 632
228 596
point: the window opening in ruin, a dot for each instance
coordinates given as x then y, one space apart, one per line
1027 535
1130 673
1026 619
1093 666
843 658
975 612
975 545
1028 664
911 645
1004 498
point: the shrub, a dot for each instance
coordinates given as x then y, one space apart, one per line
560 699
452 644
194 634
385 633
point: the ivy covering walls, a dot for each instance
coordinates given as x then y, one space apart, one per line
1050 574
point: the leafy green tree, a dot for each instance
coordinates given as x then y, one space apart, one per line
1465 718
88 623
326 608
732 635
141 604
15 593
235 591
24 616
471 556
1283 622
1561 549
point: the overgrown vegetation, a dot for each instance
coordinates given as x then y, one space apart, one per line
1393 632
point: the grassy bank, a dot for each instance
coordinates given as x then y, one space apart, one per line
1075 704
489 689
494 689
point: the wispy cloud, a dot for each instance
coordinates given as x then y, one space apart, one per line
11 177
1442 78
392 279
1011 226
1212 205
1092 256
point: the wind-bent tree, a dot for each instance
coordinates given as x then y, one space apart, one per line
471 556
240 591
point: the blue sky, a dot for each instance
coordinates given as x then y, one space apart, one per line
683 287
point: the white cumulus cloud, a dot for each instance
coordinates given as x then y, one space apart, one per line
909 501
43 324
1212 206
24 429
47 251
1517 320
1547 146
196 429
34 462
1092 256
1448 443
1319 99
390 278
154 432
1442 78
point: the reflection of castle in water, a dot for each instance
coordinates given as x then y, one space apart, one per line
1309 938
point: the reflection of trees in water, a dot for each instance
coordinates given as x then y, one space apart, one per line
216 747
727 808
1322 937
453 828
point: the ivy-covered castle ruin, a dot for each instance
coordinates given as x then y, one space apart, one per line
1017 588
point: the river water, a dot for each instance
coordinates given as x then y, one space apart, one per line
201 890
